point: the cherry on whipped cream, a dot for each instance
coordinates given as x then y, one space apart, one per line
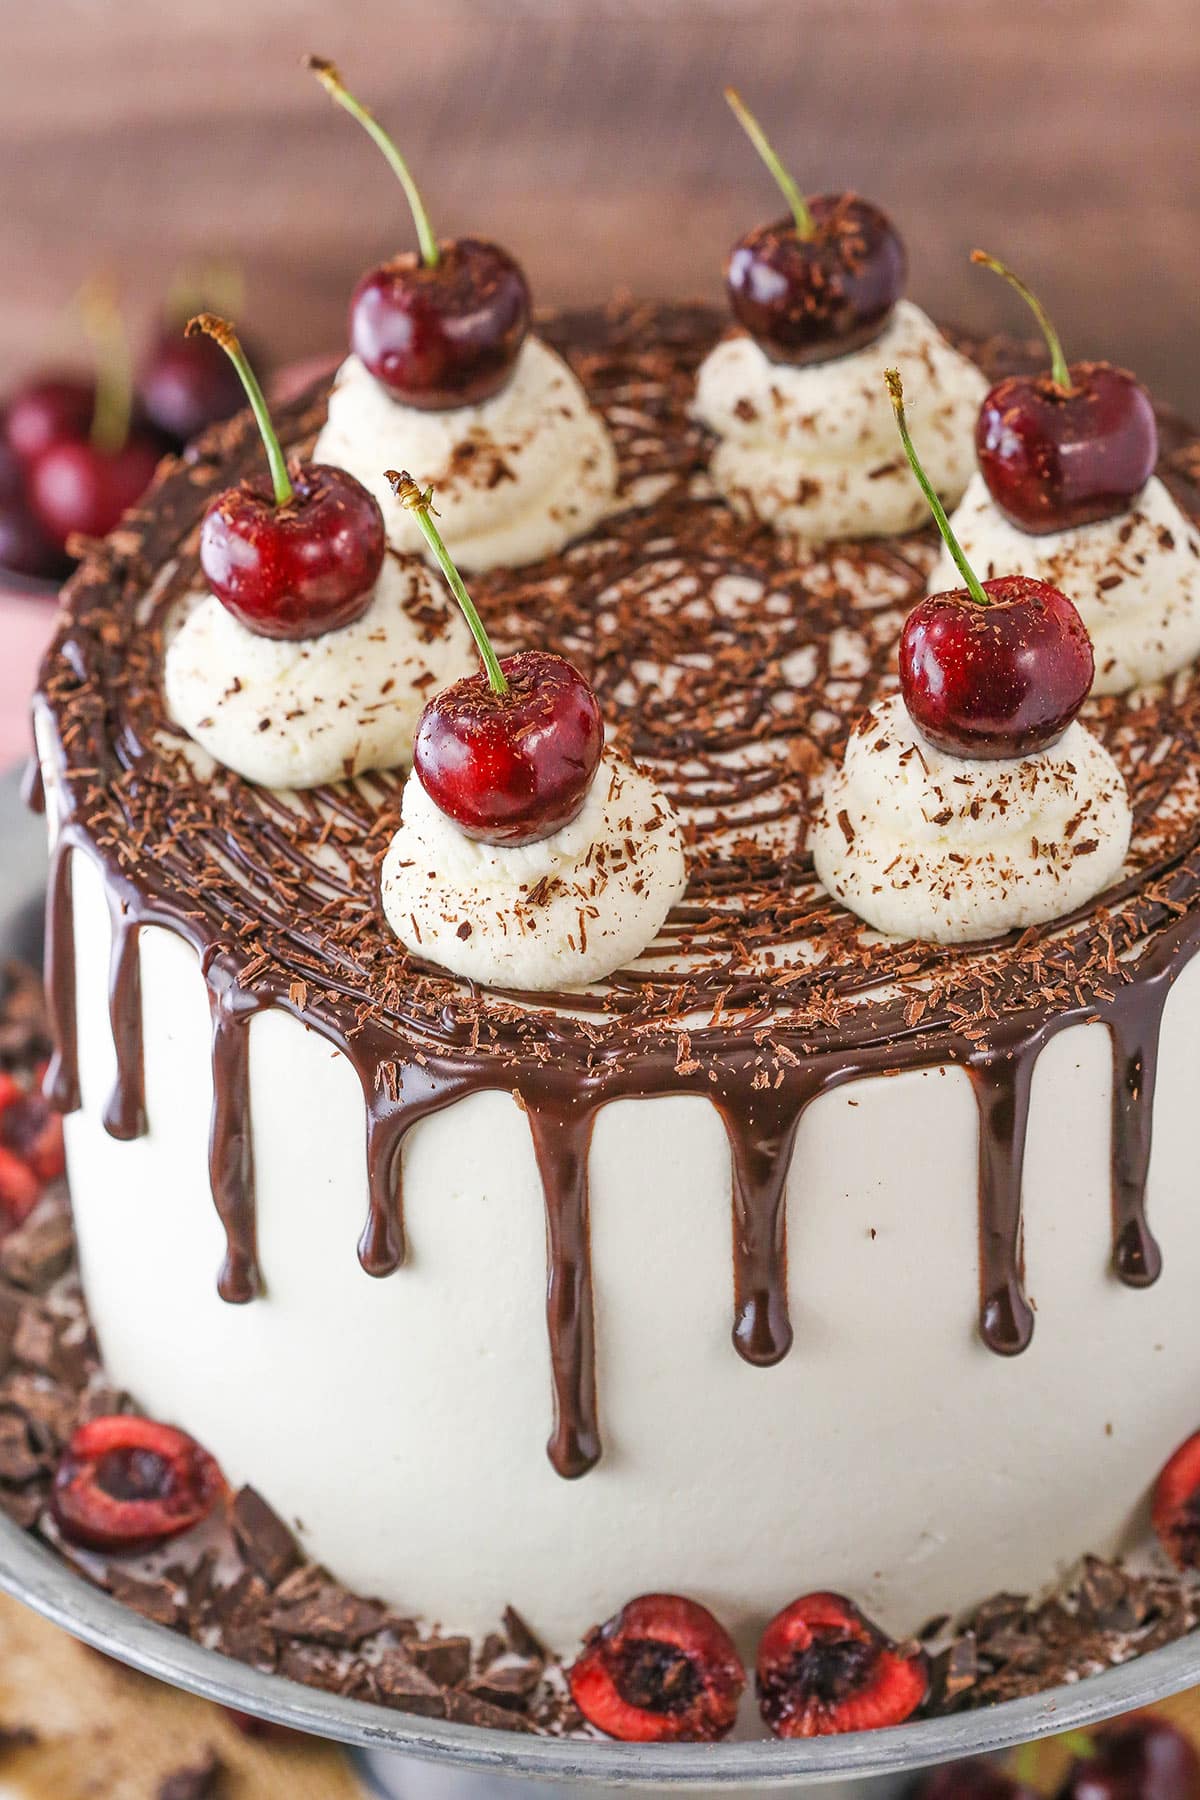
508 754
1142 1758
818 284
662 1670
440 327
996 668
1067 448
1175 1507
823 1668
298 560
126 1483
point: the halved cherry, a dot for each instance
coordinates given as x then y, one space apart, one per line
125 1483
19 1189
1175 1510
824 1668
662 1670
30 1129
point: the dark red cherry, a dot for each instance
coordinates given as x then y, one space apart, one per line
999 680
661 1671
31 1129
49 410
1068 447
125 1483
442 326
821 283
187 383
996 668
1142 1758
1175 1509
508 754
973 1778
824 1668
78 486
297 558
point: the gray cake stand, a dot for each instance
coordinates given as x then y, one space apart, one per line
432 1759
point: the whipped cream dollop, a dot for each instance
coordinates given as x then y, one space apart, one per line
556 914
1135 579
293 713
922 844
813 451
515 477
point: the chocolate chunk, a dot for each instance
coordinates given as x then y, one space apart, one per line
202 1781
402 1684
37 1252
262 1537
11 1303
312 1666
466 1709
35 1341
154 1599
24 1036
522 1639
323 1611
20 1461
446 1660
506 1683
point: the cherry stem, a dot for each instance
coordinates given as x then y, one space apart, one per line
1060 374
420 501
972 582
106 333
330 78
806 225
224 334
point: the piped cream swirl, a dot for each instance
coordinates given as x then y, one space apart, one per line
922 844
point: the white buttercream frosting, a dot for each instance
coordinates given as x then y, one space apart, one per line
292 713
1135 578
554 914
922 844
814 451
515 477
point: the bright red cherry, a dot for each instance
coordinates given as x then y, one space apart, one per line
661 1671
821 283
124 1483
442 327
508 754
47 411
1175 1508
824 1668
996 668
1142 1758
301 559
1065 448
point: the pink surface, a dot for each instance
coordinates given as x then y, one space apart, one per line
26 624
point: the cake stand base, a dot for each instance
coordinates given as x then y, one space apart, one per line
395 1777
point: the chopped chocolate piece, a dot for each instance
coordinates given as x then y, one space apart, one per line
48 1407
38 1252
202 1781
313 1666
465 1709
446 1660
11 1303
506 1683
953 1673
402 1684
154 1599
24 1505
20 1460
264 1540
325 1613
24 1037
522 1639
35 1342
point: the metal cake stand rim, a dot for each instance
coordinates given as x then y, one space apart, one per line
34 1574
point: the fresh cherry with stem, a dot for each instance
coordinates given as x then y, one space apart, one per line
442 327
1066 448
302 557
508 754
82 484
996 668
818 284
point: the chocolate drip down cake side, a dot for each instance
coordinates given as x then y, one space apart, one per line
749 1147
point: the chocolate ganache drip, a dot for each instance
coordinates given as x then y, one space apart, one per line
736 672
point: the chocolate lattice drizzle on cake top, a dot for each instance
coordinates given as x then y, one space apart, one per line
734 665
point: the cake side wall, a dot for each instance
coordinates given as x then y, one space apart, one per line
402 1423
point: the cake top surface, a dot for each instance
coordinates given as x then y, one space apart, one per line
731 664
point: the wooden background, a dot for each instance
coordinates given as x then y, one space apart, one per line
591 136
